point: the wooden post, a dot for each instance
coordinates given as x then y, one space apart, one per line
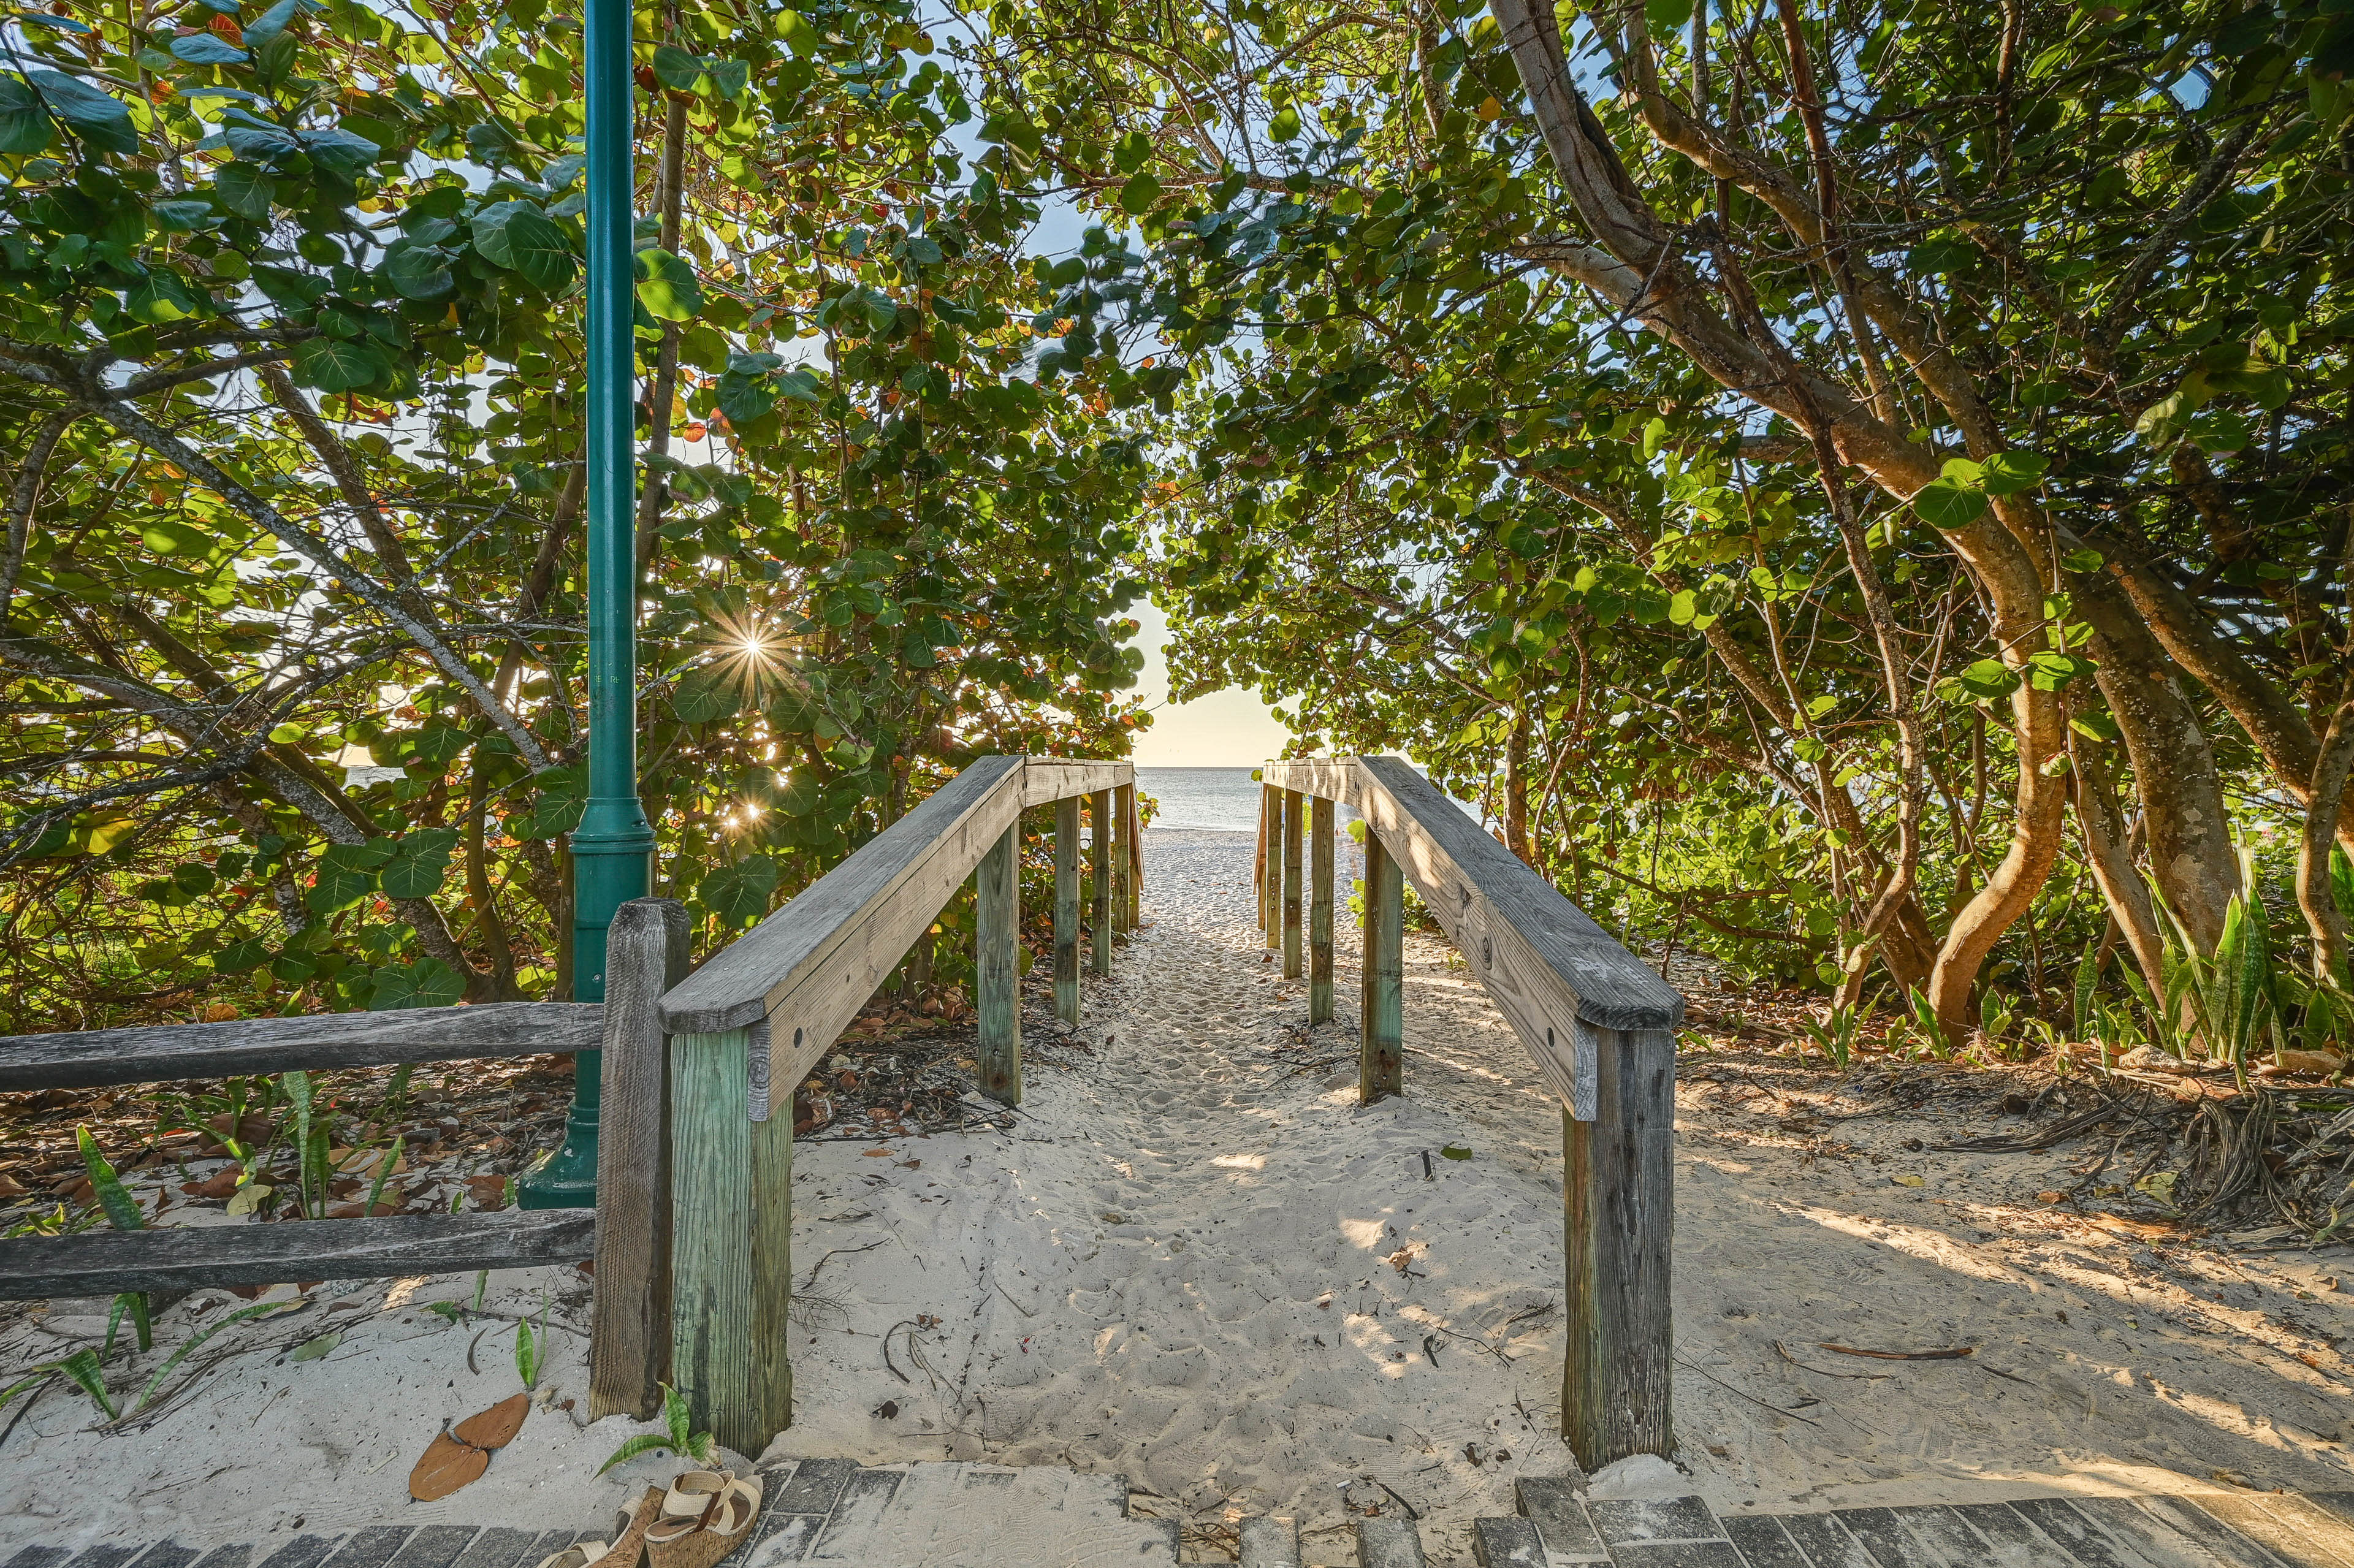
1381 1068
1293 826
731 1243
1099 866
646 952
1067 909
996 962
1320 914
1270 884
1617 1388
1123 813
1135 861
1258 857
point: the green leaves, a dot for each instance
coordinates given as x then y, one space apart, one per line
1958 498
1947 504
161 299
706 74
171 536
24 123
337 364
346 875
677 1421
517 236
794 29
1141 194
206 49
419 271
708 695
739 893
666 286
418 863
101 122
2013 472
427 982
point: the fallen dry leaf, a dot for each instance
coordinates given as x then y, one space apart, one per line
458 1456
495 1427
219 1184
446 1465
2130 1227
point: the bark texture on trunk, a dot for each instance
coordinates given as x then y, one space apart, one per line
2181 790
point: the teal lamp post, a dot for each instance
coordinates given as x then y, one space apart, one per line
612 850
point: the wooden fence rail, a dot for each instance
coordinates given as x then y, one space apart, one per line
101 1263
691 1229
1598 1023
164 1053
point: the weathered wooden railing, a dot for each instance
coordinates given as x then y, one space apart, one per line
694 1217
1600 1026
103 1262
694 1264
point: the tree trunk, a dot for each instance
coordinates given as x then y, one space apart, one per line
2181 789
2111 858
2040 804
2321 813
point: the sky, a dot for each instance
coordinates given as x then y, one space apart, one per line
1225 729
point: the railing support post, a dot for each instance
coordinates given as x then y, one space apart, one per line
1293 828
997 970
1067 909
1320 914
1381 1068
731 1242
1135 861
1619 1195
1123 856
646 953
1258 858
1099 866
1270 883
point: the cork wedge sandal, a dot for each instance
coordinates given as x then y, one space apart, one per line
724 1524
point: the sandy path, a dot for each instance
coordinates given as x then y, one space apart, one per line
1197 1262
1178 1269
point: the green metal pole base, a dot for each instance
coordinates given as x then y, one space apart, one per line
612 863
567 1178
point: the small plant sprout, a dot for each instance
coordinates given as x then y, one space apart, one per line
531 1350
1929 1034
383 1171
1836 1037
121 1212
698 1446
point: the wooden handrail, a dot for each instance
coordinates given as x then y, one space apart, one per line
169 1051
1554 975
694 1267
798 977
1601 1027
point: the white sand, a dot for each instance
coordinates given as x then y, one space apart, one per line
1199 1263
1178 1269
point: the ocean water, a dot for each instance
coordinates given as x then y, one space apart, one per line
1207 799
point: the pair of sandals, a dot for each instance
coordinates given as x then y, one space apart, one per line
703 1517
